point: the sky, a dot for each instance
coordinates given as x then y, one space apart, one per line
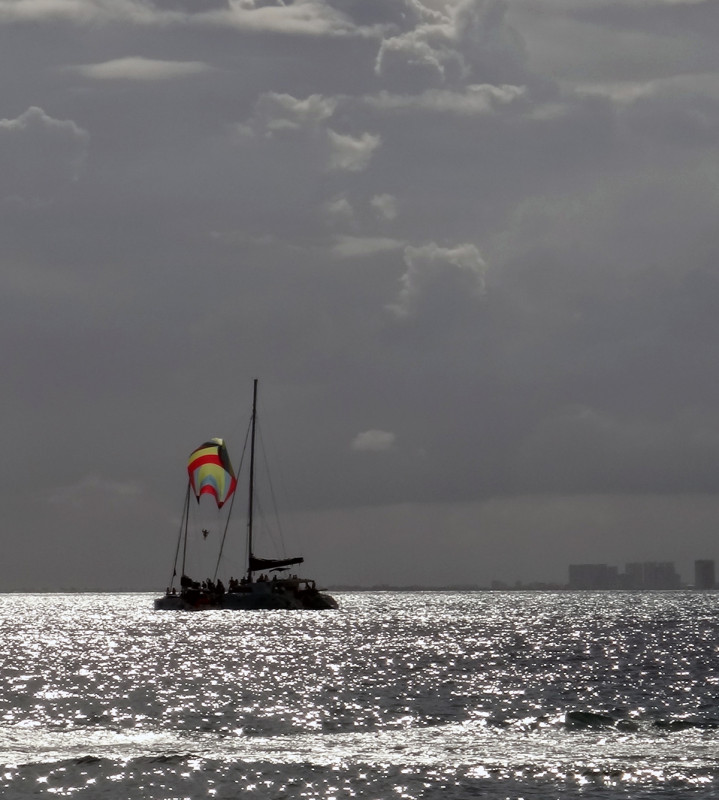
468 247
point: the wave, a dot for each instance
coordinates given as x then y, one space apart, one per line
596 719
685 723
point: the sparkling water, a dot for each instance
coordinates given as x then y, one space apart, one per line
396 695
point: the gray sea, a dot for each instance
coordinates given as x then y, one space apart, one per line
396 695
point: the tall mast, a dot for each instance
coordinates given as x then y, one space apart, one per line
183 527
252 480
186 514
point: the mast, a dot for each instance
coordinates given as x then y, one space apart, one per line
186 515
252 481
183 525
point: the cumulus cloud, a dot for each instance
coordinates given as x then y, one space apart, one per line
473 100
491 48
275 113
410 60
385 206
374 441
439 275
351 153
283 118
39 155
471 42
140 69
311 18
339 210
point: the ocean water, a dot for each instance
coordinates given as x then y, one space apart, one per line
396 695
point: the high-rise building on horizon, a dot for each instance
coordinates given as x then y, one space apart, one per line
704 574
637 575
592 576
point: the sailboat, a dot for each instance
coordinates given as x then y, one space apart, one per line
266 583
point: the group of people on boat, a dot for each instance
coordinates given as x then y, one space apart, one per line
265 592
208 585
207 592
215 590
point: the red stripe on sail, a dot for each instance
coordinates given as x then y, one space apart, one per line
200 460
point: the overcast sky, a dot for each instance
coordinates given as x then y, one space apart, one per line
469 248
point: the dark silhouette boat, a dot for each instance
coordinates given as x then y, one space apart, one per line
267 582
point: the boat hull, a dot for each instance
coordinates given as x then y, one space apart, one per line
170 602
260 596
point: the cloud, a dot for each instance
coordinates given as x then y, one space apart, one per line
374 441
339 210
492 50
40 155
473 100
140 69
197 6
409 60
81 12
351 153
683 110
385 206
276 113
35 124
439 275
387 15
307 18
311 18
292 137
365 247
472 42
617 41
694 85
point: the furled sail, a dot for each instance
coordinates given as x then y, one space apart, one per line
211 472
257 564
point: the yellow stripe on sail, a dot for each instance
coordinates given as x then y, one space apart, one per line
204 451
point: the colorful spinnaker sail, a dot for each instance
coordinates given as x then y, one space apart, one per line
211 472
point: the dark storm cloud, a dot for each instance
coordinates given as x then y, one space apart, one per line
472 259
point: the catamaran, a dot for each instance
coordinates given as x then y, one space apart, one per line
210 473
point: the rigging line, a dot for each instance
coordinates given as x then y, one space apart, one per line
273 498
232 503
179 535
288 522
187 520
224 536
265 528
